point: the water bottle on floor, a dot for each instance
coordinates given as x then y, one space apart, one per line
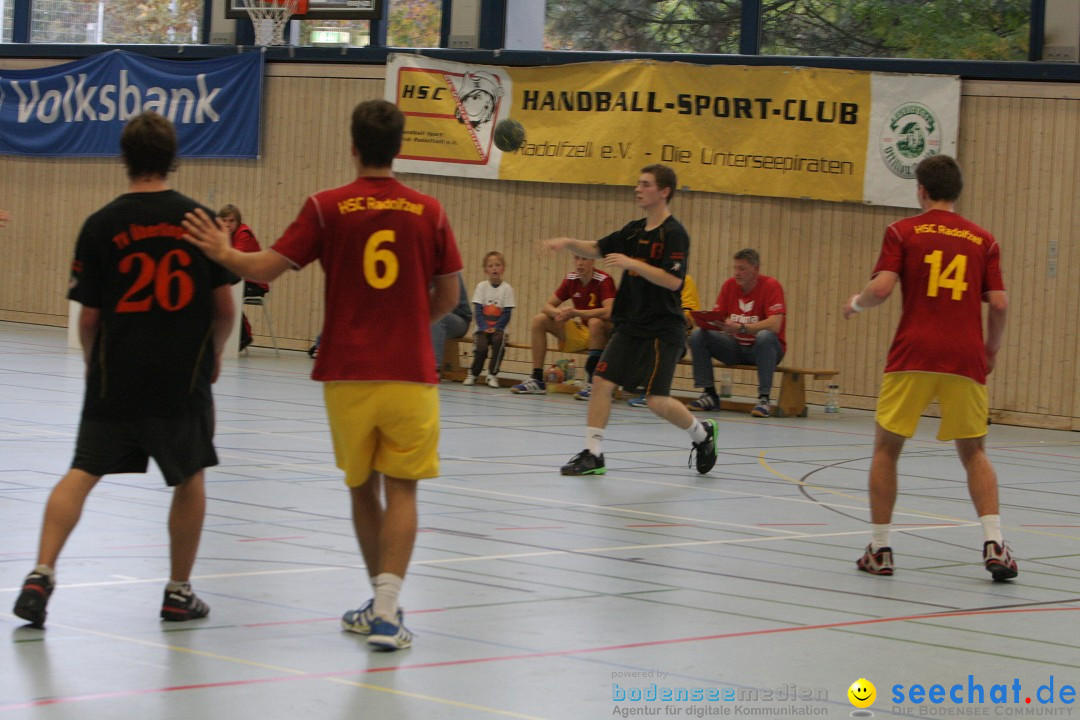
832 399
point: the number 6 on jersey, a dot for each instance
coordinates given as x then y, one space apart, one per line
374 257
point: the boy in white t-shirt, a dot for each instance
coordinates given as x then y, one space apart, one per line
493 302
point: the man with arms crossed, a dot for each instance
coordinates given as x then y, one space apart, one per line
387 251
155 316
947 267
649 335
585 324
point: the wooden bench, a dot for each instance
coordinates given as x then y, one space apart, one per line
453 368
791 403
792 400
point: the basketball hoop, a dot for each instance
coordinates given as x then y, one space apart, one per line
269 18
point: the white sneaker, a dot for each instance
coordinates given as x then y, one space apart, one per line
493 381
469 380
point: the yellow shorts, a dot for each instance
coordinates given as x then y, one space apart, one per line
905 395
577 336
388 427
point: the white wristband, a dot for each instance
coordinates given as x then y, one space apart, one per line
855 306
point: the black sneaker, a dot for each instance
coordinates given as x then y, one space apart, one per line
585 463
30 605
703 454
179 606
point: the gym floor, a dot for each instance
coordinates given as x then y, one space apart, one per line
651 590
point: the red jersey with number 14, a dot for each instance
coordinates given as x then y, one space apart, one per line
380 244
946 266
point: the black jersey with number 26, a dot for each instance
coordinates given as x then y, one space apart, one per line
153 355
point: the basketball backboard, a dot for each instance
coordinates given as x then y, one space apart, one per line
323 10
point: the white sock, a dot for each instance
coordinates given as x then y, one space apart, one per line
879 536
177 586
387 589
46 570
594 440
697 431
991 525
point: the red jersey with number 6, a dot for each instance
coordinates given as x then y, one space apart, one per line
380 244
946 265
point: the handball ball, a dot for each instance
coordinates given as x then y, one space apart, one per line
555 375
509 135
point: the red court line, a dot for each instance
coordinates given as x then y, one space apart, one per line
926 524
145 691
701 638
528 656
663 525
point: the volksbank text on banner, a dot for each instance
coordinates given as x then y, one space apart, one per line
80 108
784 132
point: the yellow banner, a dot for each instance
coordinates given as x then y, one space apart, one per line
775 131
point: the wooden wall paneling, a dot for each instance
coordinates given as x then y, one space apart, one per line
1052 349
1067 168
1018 148
1021 395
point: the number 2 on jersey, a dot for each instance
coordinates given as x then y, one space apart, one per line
952 278
376 259
172 287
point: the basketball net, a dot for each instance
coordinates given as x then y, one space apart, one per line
269 18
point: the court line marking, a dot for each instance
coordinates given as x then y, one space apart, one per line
441 701
504 556
333 677
1019 528
644 481
292 672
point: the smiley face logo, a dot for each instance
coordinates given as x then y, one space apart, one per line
862 693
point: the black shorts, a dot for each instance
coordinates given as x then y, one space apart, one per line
181 446
640 363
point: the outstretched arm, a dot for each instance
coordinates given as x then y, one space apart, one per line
655 275
876 292
584 248
209 236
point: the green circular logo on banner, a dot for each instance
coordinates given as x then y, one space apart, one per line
912 132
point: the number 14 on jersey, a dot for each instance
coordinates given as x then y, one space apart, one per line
951 278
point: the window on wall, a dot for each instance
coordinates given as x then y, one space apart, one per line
409 23
414 23
941 29
165 22
334 33
688 26
944 30
7 20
